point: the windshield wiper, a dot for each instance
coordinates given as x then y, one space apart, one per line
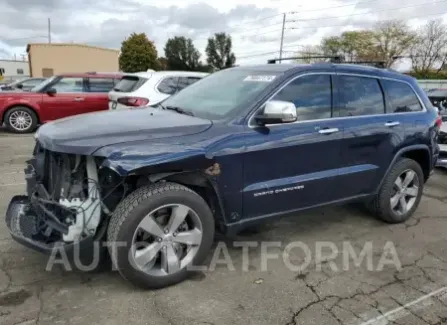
178 110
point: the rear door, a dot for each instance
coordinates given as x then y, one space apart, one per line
370 138
294 165
97 95
68 99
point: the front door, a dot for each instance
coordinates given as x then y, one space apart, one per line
68 99
292 166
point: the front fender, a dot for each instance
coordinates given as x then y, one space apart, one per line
134 162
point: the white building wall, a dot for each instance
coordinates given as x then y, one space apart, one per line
432 83
13 69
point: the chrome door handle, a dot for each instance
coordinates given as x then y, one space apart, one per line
78 99
328 131
391 124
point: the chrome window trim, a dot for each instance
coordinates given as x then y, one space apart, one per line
424 109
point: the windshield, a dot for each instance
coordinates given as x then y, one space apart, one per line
42 85
218 95
12 84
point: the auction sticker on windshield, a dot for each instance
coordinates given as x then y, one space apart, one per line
260 78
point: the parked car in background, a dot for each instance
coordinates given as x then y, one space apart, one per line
442 140
438 98
23 84
150 88
57 97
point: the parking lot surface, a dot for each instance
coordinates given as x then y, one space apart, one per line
405 282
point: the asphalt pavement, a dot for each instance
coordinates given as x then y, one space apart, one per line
336 265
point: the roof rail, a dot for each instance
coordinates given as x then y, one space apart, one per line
332 59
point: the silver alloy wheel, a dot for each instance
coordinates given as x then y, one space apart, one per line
406 191
166 240
20 120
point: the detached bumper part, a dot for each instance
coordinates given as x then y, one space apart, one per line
23 222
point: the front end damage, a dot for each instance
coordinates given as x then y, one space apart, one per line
68 200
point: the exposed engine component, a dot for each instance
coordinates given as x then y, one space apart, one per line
88 212
70 195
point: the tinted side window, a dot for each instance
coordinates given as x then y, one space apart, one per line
69 85
360 96
312 96
184 82
403 98
168 85
100 85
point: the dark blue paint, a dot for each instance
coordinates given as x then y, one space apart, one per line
332 168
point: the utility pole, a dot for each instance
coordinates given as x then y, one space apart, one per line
282 36
49 30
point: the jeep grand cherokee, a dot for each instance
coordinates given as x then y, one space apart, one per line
242 146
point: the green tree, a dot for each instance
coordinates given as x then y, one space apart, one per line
138 53
392 39
331 46
307 52
162 63
181 54
218 50
350 45
429 50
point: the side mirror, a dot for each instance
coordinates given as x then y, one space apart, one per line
51 91
277 111
19 86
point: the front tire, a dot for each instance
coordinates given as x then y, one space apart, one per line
157 232
400 193
21 119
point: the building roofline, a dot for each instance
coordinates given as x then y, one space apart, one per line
7 60
69 44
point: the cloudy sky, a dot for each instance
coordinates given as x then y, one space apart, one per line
254 25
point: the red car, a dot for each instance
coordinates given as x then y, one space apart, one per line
57 97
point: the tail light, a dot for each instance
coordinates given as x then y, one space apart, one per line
439 121
133 101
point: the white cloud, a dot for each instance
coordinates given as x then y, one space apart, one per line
108 22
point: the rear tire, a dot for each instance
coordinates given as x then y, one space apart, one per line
400 193
21 119
159 202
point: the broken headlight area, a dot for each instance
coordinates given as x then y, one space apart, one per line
68 198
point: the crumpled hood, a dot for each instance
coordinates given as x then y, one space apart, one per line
84 134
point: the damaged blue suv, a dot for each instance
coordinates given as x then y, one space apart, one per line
239 147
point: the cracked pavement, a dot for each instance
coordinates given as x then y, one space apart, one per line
326 292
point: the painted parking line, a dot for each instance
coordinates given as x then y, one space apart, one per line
12 184
14 172
402 311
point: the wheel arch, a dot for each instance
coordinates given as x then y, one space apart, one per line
199 181
10 107
419 153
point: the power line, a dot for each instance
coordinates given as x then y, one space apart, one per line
255 55
299 45
22 38
347 5
313 19
344 25
366 13
256 20
275 24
